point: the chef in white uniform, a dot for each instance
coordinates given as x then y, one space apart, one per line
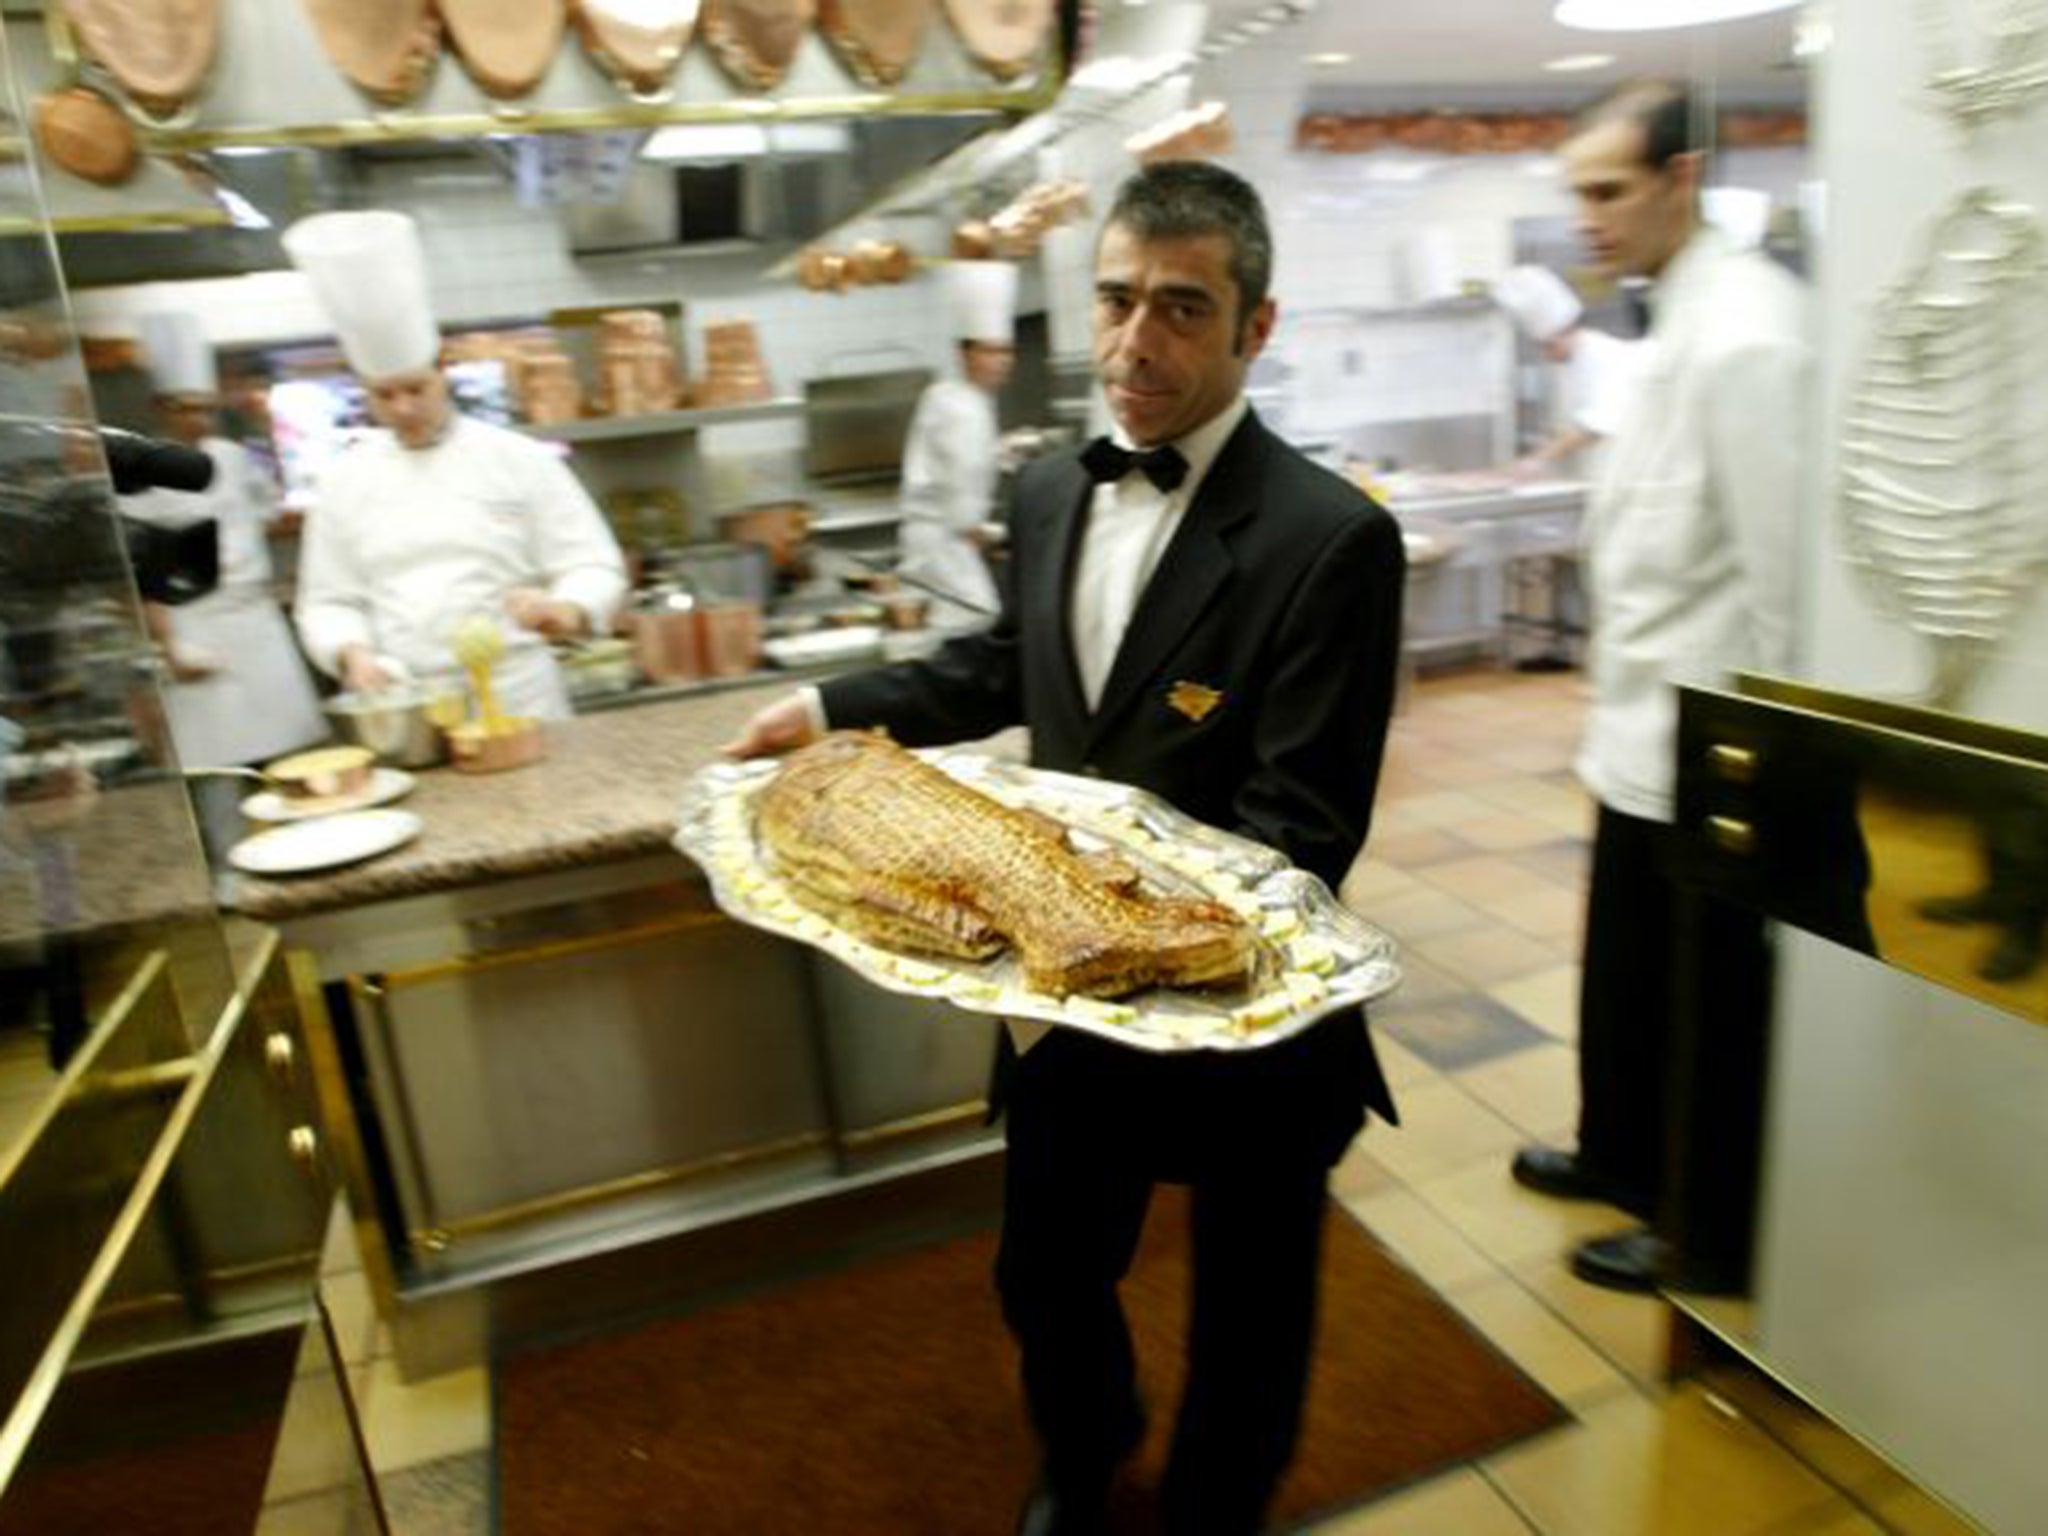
240 692
951 458
1596 372
439 517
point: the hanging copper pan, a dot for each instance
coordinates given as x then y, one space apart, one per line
158 50
506 45
757 40
638 42
1006 37
386 47
877 40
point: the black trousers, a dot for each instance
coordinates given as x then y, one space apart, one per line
1092 1128
1646 938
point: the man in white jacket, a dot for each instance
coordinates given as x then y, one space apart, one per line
1690 539
950 459
440 517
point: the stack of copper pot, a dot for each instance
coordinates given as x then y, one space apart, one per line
637 369
545 388
734 373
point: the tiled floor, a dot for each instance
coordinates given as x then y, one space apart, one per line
1476 866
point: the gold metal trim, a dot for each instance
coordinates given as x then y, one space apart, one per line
1735 764
531 954
448 1234
28 1409
337 1116
2002 741
924 1124
399 127
68 1084
153 1081
1730 835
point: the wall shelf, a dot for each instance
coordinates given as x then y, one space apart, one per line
663 423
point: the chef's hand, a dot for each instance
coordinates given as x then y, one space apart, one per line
362 672
783 726
553 618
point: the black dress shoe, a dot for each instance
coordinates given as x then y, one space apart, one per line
1622 1261
1549 1171
1045 1513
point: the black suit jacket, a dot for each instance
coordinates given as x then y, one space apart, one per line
1280 591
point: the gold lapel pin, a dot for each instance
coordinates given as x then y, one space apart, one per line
1193 700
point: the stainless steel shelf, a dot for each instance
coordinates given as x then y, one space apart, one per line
663 423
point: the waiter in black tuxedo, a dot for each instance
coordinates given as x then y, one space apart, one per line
1194 608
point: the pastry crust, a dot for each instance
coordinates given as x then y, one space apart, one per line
895 850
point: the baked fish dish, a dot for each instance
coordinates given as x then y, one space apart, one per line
904 854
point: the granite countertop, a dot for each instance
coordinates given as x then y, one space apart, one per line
608 789
101 862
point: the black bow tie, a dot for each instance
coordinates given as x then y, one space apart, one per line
1107 463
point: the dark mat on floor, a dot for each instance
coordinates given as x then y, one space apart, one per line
882 1401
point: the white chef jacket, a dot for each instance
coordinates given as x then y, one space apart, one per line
258 701
1595 384
1691 531
403 544
949 489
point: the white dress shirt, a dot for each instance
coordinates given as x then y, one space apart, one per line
1130 523
1692 530
403 543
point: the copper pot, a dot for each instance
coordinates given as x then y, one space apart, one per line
729 635
782 528
666 644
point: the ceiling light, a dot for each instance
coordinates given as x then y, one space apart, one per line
706 141
1656 15
1329 60
1572 63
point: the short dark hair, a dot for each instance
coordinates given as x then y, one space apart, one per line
1662 107
1180 199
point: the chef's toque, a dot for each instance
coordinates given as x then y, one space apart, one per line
981 300
370 275
180 357
1538 301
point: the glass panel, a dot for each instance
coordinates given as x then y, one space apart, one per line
100 863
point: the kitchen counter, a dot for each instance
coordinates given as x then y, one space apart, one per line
607 790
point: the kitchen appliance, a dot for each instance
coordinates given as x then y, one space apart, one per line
856 423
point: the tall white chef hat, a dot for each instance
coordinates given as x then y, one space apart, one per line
370 275
981 300
1539 301
180 357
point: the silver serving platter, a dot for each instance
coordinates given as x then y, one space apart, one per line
1317 957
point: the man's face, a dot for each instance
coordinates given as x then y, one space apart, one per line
187 418
1171 348
987 364
413 405
1634 218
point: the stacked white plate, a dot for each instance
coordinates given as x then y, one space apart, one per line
324 842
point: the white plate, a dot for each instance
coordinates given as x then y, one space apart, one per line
325 842
386 785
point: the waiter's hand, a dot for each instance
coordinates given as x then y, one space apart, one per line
553 618
362 672
783 726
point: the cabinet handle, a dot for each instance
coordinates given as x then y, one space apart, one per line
281 1056
303 1143
1730 835
1735 764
